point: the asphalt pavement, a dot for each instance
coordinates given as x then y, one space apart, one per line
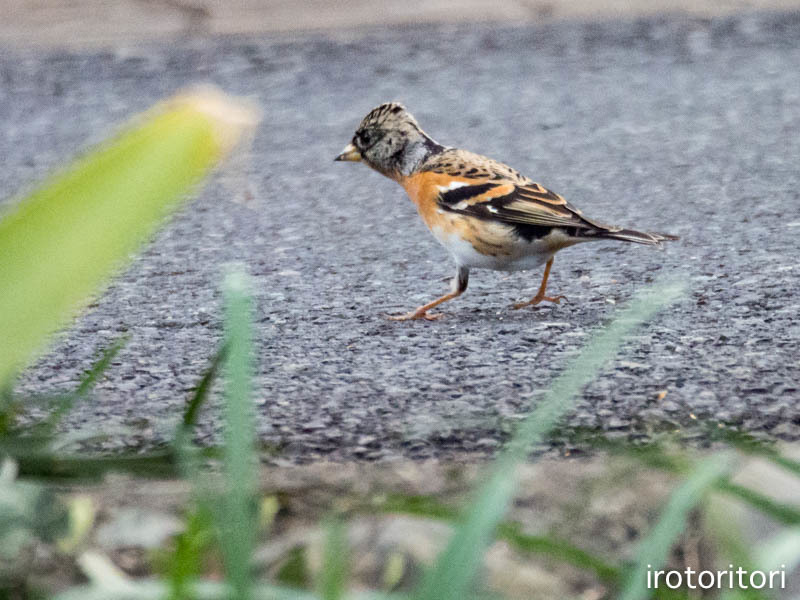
687 125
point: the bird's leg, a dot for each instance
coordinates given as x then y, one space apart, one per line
459 284
542 288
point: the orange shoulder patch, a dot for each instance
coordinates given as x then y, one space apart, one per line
424 188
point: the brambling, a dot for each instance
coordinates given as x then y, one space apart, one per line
485 213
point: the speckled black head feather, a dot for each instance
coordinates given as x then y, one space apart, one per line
391 141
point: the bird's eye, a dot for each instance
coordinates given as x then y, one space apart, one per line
364 138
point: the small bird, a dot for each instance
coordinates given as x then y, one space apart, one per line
486 214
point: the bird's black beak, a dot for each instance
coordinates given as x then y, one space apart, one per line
350 153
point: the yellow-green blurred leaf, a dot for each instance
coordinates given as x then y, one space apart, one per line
59 244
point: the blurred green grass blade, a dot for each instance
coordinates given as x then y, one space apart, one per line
66 402
557 549
732 549
451 576
186 562
9 407
786 514
188 456
295 570
239 519
58 245
651 453
423 506
790 465
751 445
654 549
96 371
333 576
200 393
87 468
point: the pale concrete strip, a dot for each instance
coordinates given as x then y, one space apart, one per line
102 22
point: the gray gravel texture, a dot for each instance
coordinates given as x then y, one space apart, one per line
676 124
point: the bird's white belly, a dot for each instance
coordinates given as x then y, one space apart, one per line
524 255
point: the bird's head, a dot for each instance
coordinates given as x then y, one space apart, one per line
389 140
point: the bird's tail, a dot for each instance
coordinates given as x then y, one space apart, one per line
637 237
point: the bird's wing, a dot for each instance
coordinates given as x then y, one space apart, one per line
485 188
514 203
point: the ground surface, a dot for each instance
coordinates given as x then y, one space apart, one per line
681 124
134 520
603 505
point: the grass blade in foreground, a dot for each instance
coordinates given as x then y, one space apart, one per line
334 568
720 514
67 402
451 576
59 244
185 452
654 549
425 506
201 391
238 520
786 514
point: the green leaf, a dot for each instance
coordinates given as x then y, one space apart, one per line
187 454
186 562
82 468
333 577
294 571
239 519
58 245
200 393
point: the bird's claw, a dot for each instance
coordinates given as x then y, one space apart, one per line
537 299
415 316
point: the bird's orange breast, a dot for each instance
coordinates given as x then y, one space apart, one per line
486 237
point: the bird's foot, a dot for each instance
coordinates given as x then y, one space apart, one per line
415 315
537 299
